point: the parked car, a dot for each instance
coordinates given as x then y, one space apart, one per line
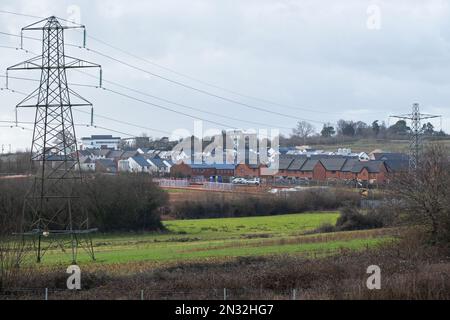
253 182
238 181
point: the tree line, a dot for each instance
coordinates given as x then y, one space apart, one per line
305 132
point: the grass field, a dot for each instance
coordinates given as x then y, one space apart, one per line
226 237
368 145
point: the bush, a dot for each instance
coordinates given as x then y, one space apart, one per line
124 202
352 219
11 247
112 203
212 205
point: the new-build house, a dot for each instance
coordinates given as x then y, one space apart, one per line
318 168
139 164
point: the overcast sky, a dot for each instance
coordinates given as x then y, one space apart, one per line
322 60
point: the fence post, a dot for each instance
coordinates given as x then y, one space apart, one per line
46 294
224 293
294 294
142 295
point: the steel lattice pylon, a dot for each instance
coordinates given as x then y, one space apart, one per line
415 144
52 211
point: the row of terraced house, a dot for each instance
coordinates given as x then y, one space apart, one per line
115 161
299 167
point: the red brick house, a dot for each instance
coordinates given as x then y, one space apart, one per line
205 170
247 170
295 167
181 170
319 171
333 167
370 171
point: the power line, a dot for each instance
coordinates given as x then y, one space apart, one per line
87 125
187 86
178 73
13 91
152 96
203 82
200 90
35 39
36 80
20 14
14 125
124 122
129 135
164 108
167 101
180 104
191 78
159 106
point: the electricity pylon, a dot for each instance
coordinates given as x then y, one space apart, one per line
53 214
415 143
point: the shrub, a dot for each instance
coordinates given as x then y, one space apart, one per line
11 247
124 202
212 205
352 219
112 203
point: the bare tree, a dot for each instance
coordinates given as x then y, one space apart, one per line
423 194
12 248
304 130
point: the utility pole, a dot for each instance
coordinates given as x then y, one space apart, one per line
415 143
52 212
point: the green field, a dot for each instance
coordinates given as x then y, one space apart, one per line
223 238
368 145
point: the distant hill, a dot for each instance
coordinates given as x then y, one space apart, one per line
368 145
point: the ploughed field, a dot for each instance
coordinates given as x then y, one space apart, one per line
207 239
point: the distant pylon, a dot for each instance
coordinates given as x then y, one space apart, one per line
52 211
415 144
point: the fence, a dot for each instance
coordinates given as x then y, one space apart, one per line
146 294
184 183
325 183
218 186
171 183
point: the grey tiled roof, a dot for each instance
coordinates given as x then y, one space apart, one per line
309 165
349 164
390 156
100 152
285 163
333 164
115 154
129 154
371 166
397 165
107 163
297 164
141 161
85 153
158 162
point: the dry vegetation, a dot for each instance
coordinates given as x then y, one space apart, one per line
409 271
217 205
